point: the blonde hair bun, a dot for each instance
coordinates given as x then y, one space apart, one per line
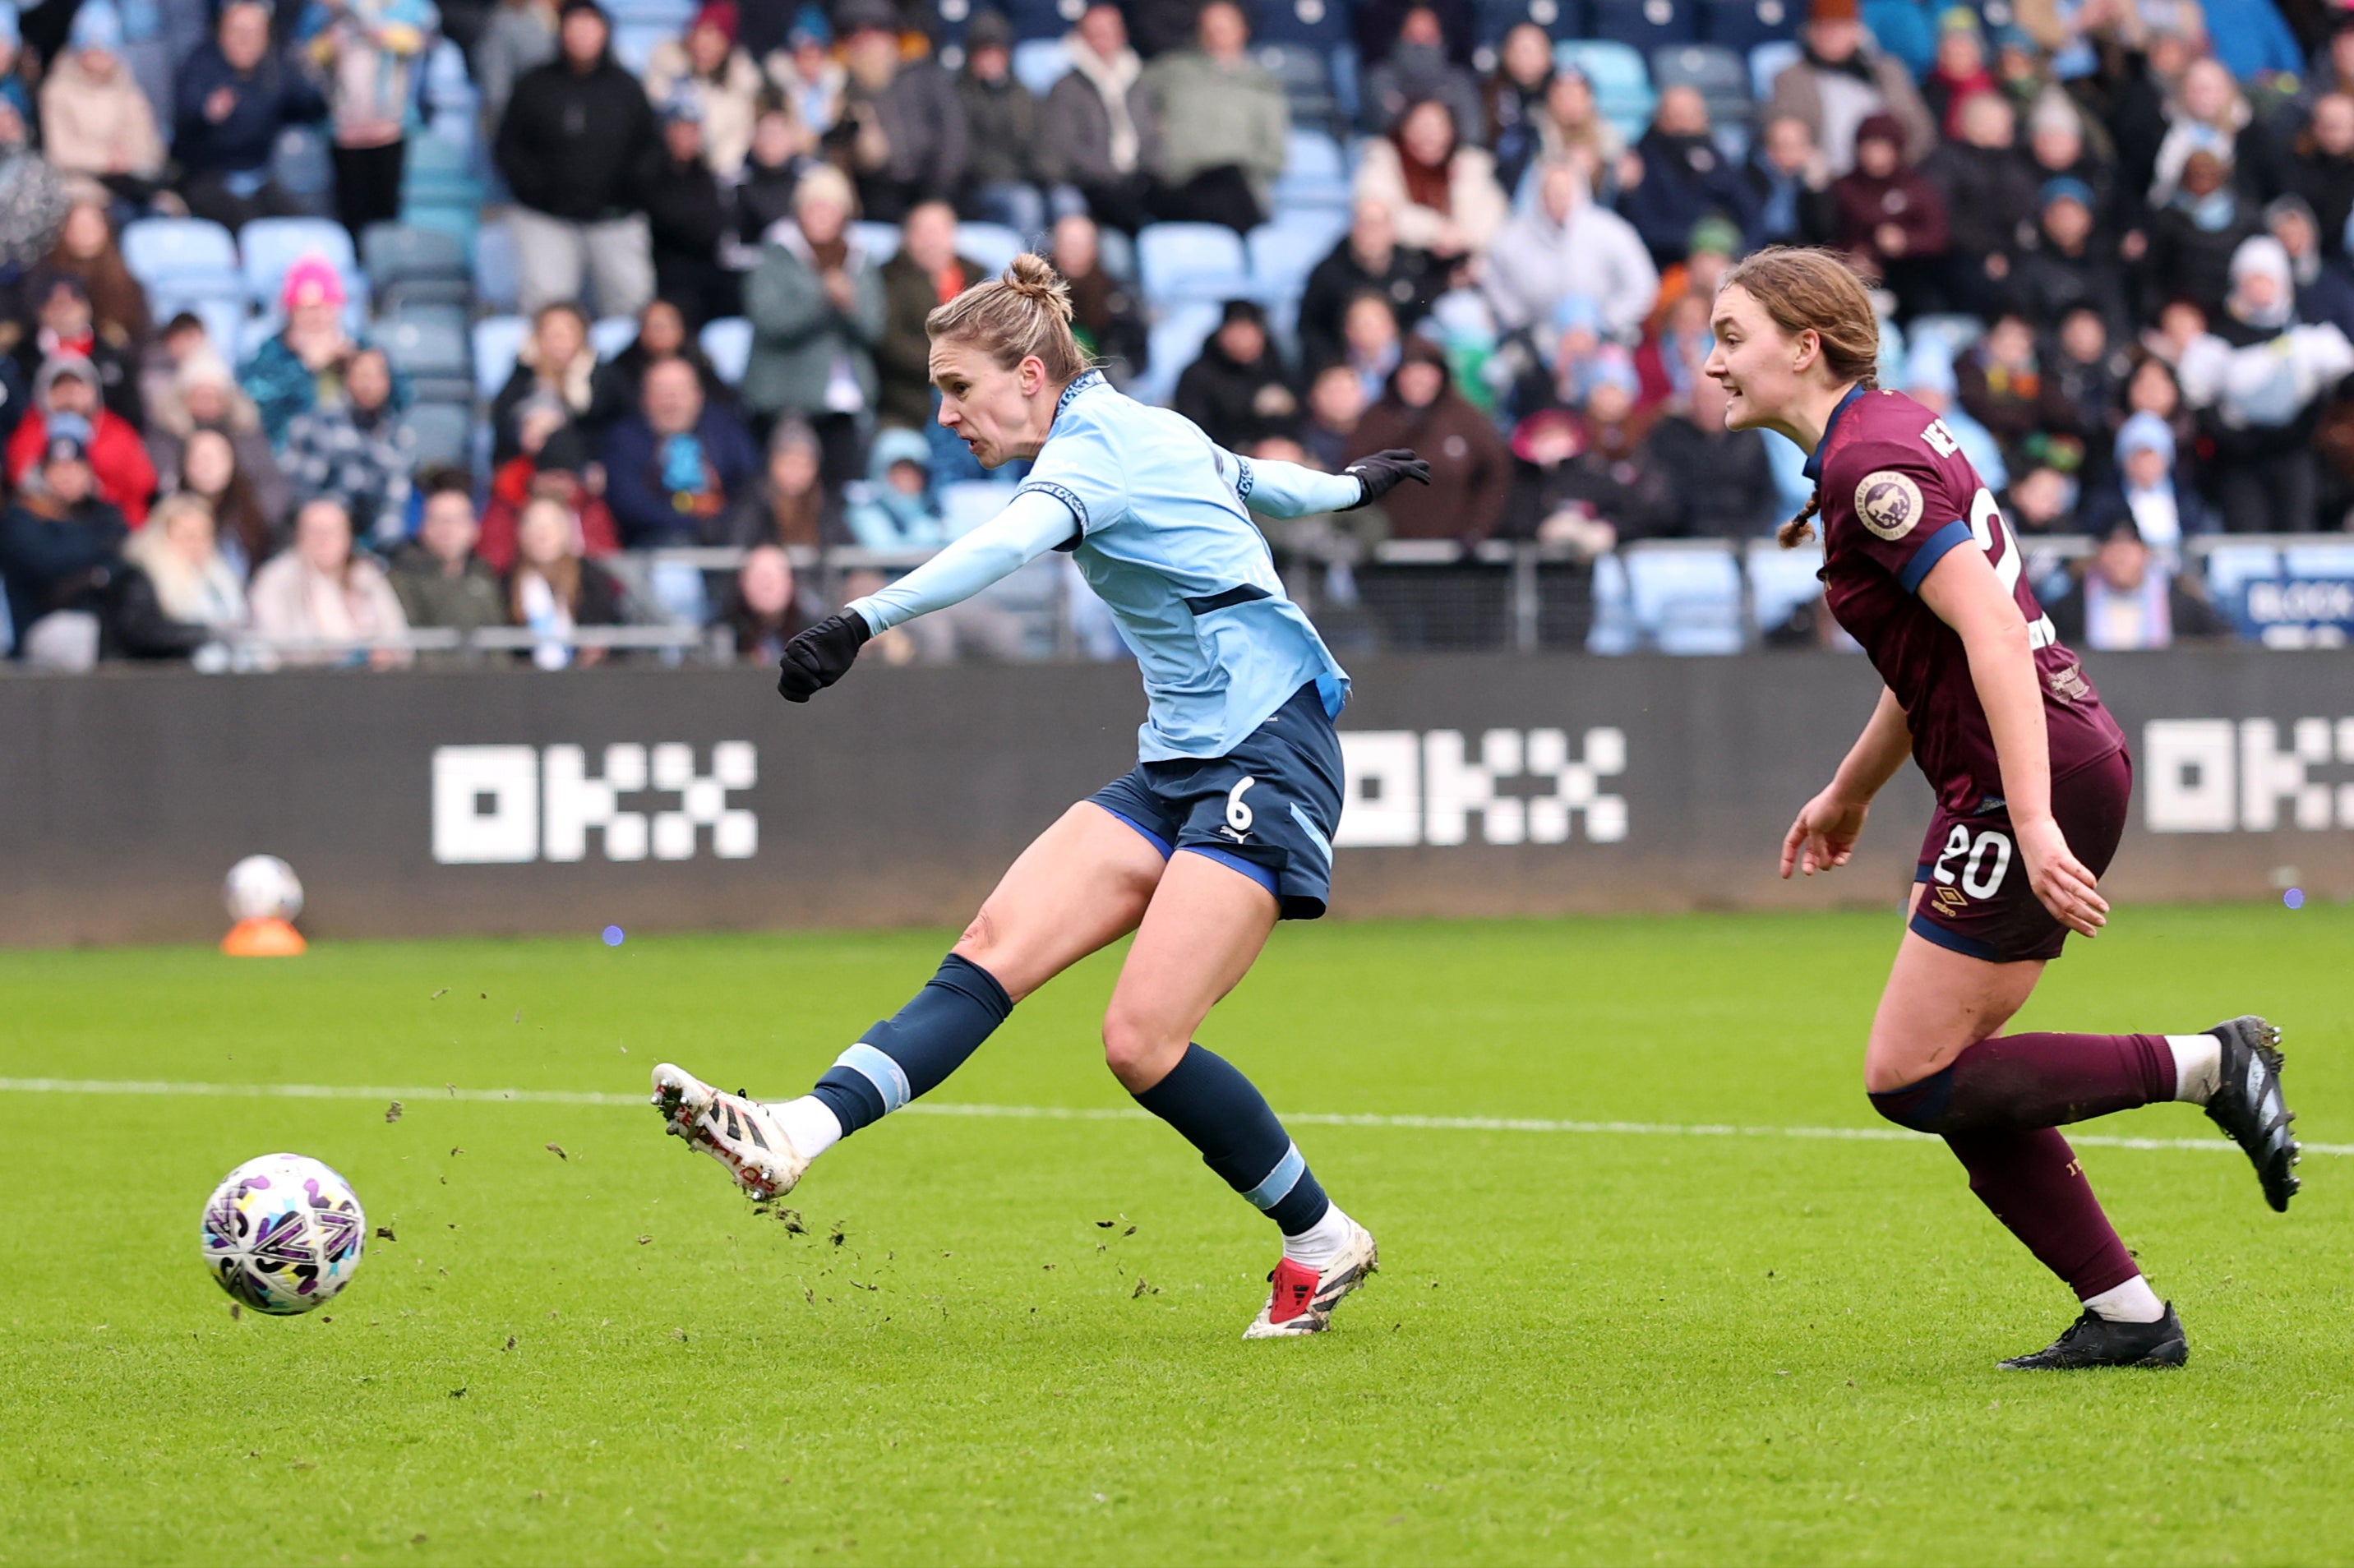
1024 311
1033 277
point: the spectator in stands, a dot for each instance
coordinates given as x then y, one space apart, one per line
1221 121
210 469
2208 114
2259 389
2324 287
1719 482
764 612
369 52
2193 238
817 312
1568 245
805 69
1960 73
234 96
98 130
2144 490
1106 317
1513 100
2321 168
86 249
57 540
780 153
1668 364
1239 391
902 126
1336 401
556 360
1001 181
1789 185
1678 176
1470 470
1841 80
192 582
2070 267
304 362
357 450
2002 385
894 508
2087 373
554 591
1929 380
439 578
677 461
16 88
1891 221
924 274
708 69
2042 502
686 220
663 335
203 395
1989 195
1613 475
1572 127
2152 388
321 589
519 36
1369 260
563 470
64 321
1441 192
577 147
1370 344
1096 130
2056 149
789 506
68 388
2129 599
1419 71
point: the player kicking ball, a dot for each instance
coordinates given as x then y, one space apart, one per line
2032 781
1224 826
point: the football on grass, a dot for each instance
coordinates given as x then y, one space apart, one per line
284 1233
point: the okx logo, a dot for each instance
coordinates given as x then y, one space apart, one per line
505 805
1408 787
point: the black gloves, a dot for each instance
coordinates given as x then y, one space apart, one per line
820 656
1380 472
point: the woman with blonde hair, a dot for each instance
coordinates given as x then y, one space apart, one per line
194 581
1224 827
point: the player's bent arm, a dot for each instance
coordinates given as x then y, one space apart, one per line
1963 590
1877 752
1288 490
1032 524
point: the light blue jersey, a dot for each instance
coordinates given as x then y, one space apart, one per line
1153 513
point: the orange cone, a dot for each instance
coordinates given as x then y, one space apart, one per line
269 939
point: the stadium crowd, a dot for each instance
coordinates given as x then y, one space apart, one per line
327 324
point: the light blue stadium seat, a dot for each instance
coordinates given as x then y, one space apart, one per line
1613 631
1040 63
460 221
1306 75
634 44
1315 173
497 281
879 240
1767 61
497 341
437 170
1622 82
224 319
404 263
673 15
993 245
431 345
1781 580
611 335
445 434
1175 342
1284 252
272 244
191 257
727 344
1721 77
1192 262
1685 598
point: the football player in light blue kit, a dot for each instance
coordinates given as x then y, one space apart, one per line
1224 826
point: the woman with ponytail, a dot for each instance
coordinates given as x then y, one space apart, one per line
1224 827
2032 782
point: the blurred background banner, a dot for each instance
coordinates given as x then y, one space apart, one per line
683 798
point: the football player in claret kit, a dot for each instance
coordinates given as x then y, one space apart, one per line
2033 781
1224 827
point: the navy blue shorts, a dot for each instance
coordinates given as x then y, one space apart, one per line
1974 898
1268 809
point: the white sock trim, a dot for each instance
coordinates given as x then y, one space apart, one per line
2197 1067
1320 1245
2132 1302
810 1123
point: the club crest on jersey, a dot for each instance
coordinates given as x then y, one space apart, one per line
1888 503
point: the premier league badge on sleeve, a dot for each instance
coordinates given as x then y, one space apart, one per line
1889 503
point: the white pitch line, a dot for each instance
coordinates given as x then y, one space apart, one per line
1065 1113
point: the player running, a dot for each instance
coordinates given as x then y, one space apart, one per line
2033 779
1224 827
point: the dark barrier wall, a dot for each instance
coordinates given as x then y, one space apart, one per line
678 799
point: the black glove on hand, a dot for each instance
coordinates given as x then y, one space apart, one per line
820 656
1380 472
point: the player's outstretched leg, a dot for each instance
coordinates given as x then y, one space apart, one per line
1206 926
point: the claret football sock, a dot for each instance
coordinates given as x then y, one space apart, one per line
2132 1302
2025 1080
914 1051
2197 1067
1219 1111
2031 1183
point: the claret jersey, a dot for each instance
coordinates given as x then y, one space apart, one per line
1897 494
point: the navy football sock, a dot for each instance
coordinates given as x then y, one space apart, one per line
1219 1111
911 1052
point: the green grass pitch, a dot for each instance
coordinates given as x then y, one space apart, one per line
1605 1347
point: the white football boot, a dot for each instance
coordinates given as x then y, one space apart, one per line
1301 1301
735 1130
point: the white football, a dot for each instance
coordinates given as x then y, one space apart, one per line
262 887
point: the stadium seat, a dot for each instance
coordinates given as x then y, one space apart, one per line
1647 25
438 171
460 221
1622 83
1491 19
611 335
224 319
993 245
1191 261
1721 76
1613 631
1039 18
190 258
272 244
1284 252
404 263
299 162
497 341
1315 173
727 344
1742 25
671 14
497 282
445 434
879 240
1319 24
1305 75
2332 558
1685 598
431 345
1767 61
1040 63
1780 581
1174 343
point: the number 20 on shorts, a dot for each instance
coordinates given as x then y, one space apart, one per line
1985 861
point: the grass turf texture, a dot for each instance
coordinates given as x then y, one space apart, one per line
1595 1348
